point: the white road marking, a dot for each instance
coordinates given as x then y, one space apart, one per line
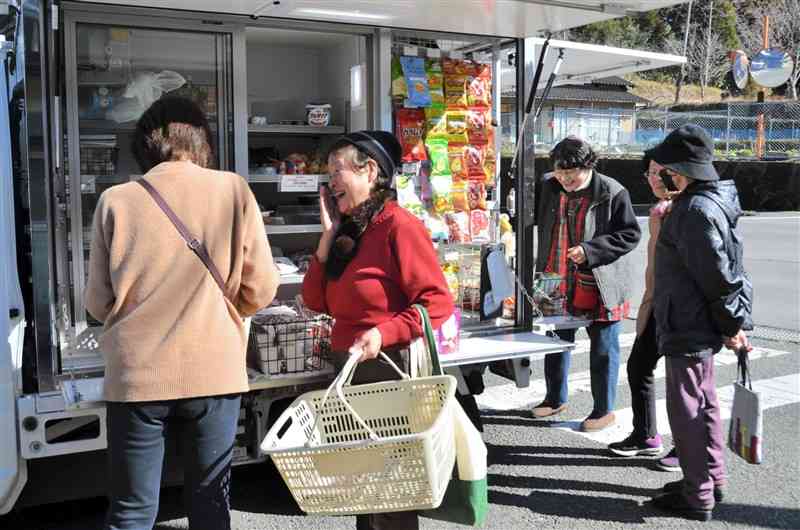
509 397
775 392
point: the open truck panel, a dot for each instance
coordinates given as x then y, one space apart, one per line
66 138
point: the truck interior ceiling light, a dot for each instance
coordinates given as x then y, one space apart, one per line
340 14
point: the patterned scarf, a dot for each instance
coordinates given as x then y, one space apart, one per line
345 244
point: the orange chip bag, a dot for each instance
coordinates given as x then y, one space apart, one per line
460 197
476 195
458 226
411 131
455 155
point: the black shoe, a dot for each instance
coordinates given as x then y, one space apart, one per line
672 487
676 503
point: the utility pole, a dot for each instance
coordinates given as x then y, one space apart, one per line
682 73
761 143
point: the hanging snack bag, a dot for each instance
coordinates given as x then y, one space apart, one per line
479 89
479 226
442 188
476 195
410 130
407 195
440 165
433 69
437 228
450 272
474 158
456 80
416 81
456 126
459 196
458 225
436 122
455 155
478 125
399 87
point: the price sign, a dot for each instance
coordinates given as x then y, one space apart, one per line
300 183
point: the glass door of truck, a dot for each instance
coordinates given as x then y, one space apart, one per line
114 72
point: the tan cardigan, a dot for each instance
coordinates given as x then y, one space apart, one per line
169 332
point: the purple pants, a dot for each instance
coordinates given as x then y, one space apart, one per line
693 410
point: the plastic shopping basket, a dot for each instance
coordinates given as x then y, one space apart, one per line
380 447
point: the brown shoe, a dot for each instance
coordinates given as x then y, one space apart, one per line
544 409
598 424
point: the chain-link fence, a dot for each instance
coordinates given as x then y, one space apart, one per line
740 130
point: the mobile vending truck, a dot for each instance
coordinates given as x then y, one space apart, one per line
279 80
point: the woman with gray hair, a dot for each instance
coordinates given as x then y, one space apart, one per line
374 261
174 336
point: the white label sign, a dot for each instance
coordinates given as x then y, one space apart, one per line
300 183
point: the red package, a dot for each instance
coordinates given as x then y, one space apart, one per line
478 125
474 158
479 89
476 195
458 227
479 226
411 133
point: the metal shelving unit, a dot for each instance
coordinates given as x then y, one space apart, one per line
295 129
293 229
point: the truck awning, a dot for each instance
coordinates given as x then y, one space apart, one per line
500 18
583 63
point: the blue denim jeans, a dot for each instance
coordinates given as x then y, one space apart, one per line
603 367
136 431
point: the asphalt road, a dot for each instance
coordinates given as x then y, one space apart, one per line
543 474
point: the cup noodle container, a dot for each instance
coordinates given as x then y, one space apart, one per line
318 115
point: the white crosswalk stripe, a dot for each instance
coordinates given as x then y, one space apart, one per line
509 397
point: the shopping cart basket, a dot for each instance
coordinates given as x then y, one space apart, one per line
380 447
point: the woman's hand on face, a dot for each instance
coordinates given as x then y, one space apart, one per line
368 344
577 254
328 213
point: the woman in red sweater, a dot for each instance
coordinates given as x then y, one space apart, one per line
374 261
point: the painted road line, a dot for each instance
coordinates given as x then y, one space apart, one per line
775 392
509 397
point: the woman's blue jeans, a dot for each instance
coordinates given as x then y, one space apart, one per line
603 367
136 432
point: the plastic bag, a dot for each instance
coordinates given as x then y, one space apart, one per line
145 89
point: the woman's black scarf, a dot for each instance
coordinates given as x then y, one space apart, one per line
345 244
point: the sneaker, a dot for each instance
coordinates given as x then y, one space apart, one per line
636 446
676 503
545 409
670 462
671 487
591 424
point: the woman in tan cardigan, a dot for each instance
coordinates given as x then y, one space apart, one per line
174 338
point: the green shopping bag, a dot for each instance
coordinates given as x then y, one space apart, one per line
466 499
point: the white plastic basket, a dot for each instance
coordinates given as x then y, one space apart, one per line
381 447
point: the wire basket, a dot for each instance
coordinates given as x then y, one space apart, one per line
290 345
380 447
98 160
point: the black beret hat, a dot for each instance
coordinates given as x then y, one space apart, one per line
381 146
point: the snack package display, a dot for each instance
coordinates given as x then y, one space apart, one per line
450 272
442 187
479 226
410 131
399 87
416 81
433 69
440 164
457 76
474 158
455 155
458 226
437 228
407 195
456 126
479 90
478 125
476 195
436 122
459 195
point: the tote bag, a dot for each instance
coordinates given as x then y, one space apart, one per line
745 435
